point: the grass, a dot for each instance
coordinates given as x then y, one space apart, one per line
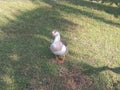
91 29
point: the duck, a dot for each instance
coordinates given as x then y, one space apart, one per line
58 47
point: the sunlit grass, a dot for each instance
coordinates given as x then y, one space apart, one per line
14 57
9 9
8 80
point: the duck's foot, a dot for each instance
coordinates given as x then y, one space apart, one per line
57 59
61 61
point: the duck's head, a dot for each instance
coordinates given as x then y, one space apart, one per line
55 33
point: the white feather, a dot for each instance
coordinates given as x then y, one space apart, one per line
55 43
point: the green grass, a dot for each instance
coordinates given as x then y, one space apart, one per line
91 29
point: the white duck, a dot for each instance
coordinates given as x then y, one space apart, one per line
58 47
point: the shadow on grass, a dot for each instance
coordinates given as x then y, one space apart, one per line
91 70
97 6
98 79
116 70
25 53
88 69
117 2
69 9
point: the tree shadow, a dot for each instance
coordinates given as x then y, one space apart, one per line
117 2
92 71
25 49
69 9
97 6
88 69
117 85
116 70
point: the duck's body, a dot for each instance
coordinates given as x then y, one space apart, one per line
58 47
59 52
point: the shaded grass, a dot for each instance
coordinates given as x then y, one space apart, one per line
25 58
98 6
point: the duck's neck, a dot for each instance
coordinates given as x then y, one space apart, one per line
57 39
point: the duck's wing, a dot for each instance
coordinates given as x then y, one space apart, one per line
56 47
64 42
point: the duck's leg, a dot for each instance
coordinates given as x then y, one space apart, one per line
62 60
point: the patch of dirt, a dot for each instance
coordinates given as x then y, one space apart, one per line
66 80
34 84
75 80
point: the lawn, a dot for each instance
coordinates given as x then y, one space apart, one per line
91 29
